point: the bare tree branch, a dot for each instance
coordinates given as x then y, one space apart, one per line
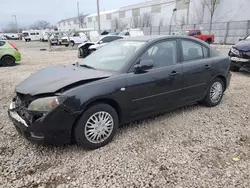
146 20
118 24
212 6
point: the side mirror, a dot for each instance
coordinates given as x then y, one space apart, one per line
240 39
144 65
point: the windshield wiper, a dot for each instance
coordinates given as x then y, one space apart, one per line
87 66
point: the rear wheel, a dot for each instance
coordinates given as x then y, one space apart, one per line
97 126
208 41
7 61
215 93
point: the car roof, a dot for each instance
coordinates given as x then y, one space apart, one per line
149 38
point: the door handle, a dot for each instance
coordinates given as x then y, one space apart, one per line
207 67
174 73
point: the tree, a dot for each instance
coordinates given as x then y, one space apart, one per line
136 21
198 15
146 20
10 28
41 24
118 24
81 20
161 21
212 6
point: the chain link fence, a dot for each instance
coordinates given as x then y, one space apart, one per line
225 32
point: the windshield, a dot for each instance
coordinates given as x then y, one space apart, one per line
112 56
25 34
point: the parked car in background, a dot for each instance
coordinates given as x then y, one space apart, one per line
31 35
75 38
127 79
3 37
239 55
9 53
196 33
87 48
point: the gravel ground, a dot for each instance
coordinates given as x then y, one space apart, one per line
192 147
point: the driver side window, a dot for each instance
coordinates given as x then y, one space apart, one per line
162 54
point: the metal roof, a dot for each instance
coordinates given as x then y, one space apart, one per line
145 4
102 13
73 18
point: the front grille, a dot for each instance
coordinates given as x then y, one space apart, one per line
64 40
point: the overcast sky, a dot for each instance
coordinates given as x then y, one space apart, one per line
29 11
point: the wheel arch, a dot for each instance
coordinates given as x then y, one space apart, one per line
224 80
114 104
7 55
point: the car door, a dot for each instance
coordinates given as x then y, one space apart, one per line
160 87
197 72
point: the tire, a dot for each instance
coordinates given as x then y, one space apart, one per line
234 68
72 43
208 101
66 45
208 41
80 131
7 61
80 53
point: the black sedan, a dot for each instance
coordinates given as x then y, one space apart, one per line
240 55
125 80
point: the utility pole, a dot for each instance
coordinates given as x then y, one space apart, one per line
188 8
98 13
16 25
78 14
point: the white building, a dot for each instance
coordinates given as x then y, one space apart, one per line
160 13
105 20
72 23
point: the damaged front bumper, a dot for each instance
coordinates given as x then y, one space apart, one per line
241 60
53 128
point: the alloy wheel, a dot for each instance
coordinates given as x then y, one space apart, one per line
99 127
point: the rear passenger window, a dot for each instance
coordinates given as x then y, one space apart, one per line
191 50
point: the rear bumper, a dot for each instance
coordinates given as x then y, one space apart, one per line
240 62
17 56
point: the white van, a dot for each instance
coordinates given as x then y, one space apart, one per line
31 35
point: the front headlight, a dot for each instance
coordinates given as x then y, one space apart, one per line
46 104
235 51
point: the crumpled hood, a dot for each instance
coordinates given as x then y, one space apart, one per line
97 46
243 45
52 79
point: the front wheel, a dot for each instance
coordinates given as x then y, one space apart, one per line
97 126
72 43
215 93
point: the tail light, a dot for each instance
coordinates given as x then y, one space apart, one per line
13 46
